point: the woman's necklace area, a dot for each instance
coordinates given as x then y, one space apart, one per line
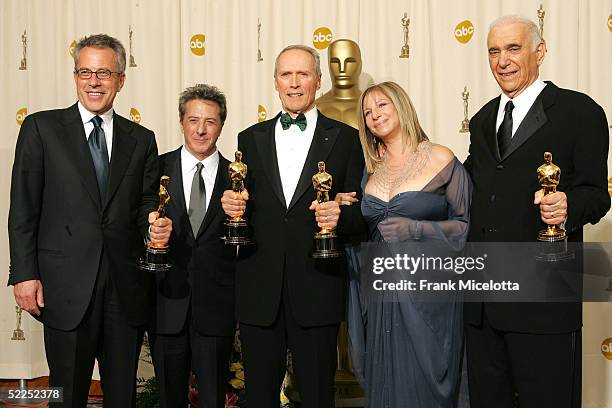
389 177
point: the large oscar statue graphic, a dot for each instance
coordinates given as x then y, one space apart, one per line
340 102
155 257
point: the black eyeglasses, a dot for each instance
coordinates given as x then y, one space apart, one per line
85 73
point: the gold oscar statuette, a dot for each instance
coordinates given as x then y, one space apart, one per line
465 123
18 333
326 240
237 231
132 60
405 53
156 256
541 14
24 44
549 176
259 58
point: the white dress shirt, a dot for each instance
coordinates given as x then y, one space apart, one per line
208 173
107 125
522 104
292 147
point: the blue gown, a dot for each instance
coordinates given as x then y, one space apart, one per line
407 353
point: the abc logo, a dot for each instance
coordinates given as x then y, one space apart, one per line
464 31
262 114
322 37
134 115
71 48
21 115
196 44
606 348
610 22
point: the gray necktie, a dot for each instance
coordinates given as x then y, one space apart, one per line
197 200
99 154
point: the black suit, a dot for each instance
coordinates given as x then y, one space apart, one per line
195 299
573 128
82 249
285 298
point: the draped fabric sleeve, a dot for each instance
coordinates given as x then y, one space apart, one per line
356 315
454 182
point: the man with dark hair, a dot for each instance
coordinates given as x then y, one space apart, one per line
526 349
286 299
83 197
195 299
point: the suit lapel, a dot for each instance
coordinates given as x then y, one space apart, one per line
221 184
173 170
489 129
266 147
78 151
534 120
322 142
123 147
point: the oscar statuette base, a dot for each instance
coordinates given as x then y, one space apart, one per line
552 234
326 245
237 232
554 251
154 260
18 335
347 387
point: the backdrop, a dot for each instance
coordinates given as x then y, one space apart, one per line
175 44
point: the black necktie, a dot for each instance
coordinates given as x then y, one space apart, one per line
99 154
504 133
286 121
197 200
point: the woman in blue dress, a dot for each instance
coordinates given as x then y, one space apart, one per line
406 353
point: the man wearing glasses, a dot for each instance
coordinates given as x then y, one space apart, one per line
83 196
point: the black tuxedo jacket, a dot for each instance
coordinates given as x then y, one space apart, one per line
284 233
59 230
573 128
203 267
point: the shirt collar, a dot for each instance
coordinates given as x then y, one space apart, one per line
87 116
190 161
525 98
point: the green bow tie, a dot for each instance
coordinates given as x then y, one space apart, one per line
286 121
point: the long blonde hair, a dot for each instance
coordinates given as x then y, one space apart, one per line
412 133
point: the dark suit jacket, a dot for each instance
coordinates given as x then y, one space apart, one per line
203 267
284 234
60 233
573 128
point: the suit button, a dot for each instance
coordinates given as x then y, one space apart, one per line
500 167
492 198
286 219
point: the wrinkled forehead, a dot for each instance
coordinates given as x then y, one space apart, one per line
515 32
296 60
